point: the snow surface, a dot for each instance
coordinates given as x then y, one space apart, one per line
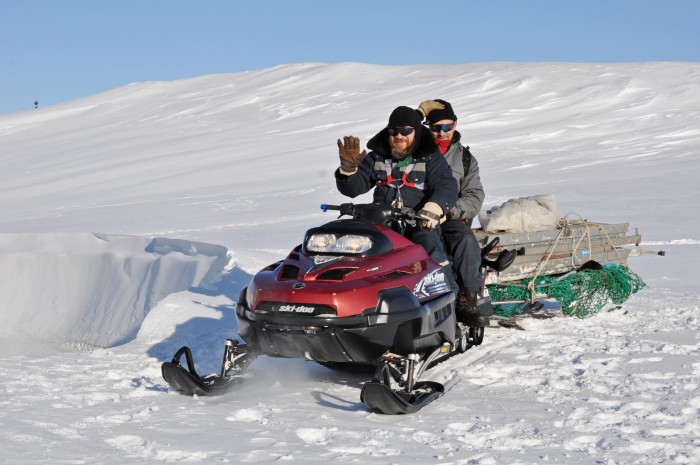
120 210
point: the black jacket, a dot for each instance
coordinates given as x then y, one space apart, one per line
430 173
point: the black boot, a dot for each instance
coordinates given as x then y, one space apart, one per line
467 308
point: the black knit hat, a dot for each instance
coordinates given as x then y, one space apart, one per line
439 115
404 116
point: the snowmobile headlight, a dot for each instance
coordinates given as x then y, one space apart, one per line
345 244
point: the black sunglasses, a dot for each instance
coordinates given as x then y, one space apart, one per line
442 127
403 131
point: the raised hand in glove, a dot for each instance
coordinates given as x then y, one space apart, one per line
430 215
426 106
350 156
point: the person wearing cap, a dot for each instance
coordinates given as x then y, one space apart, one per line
406 170
460 242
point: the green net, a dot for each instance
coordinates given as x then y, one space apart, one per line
581 294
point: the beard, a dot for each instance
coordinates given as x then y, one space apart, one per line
401 152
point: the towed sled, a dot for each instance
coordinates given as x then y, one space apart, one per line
355 295
574 269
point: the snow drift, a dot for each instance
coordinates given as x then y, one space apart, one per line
81 289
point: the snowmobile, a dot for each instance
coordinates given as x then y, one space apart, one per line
356 294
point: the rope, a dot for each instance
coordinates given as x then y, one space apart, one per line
531 284
581 294
588 224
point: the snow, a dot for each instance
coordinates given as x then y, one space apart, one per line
120 212
81 289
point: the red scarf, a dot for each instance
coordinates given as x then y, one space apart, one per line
443 145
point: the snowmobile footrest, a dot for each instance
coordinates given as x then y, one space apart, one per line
380 397
188 381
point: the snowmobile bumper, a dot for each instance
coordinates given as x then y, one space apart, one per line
399 322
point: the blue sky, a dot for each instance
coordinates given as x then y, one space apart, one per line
53 51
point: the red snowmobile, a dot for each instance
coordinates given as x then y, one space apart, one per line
355 294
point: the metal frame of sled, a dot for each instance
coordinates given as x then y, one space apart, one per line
559 252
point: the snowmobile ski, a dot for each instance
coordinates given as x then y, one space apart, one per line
380 397
412 395
189 382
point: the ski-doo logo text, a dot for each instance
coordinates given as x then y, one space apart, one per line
432 283
296 309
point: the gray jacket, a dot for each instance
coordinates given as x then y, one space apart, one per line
471 193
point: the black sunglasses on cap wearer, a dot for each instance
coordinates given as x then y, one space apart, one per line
442 127
403 131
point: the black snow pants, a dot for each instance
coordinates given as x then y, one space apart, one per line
465 253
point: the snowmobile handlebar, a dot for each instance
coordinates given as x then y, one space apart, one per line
372 212
344 208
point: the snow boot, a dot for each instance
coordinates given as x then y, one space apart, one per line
468 309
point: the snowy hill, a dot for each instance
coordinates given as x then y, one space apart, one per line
236 166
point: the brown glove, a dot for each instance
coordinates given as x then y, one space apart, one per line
350 156
426 106
430 215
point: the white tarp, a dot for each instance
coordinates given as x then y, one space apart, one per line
534 213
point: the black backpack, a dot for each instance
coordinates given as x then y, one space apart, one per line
466 159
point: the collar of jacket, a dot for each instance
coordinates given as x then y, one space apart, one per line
380 144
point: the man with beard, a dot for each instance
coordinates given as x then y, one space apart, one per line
406 170
460 242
